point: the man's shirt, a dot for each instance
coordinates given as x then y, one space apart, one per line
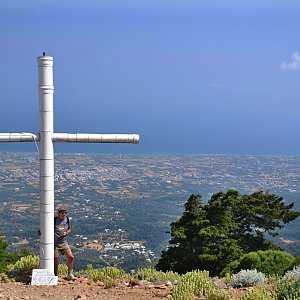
60 226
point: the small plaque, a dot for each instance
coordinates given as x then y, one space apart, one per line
43 277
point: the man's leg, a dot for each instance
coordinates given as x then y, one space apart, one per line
70 262
55 265
56 255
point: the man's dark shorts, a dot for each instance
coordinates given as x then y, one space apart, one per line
61 249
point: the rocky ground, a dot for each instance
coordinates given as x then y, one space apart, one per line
79 289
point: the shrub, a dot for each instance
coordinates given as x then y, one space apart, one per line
25 265
113 272
10 268
197 283
3 277
8 258
247 278
86 272
231 268
293 297
292 274
250 261
152 275
296 262
258 294
109 283
271 262
289 290
108 275
62 269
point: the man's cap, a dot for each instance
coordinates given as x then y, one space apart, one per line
61 208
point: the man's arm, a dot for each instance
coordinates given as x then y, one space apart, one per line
69 230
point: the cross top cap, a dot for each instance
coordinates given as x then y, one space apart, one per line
45 58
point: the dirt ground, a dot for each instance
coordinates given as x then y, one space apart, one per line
81 290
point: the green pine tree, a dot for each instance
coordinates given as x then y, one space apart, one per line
208 237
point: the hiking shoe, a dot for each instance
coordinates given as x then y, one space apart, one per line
71 277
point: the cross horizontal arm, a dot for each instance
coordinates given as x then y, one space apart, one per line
18 137
95 138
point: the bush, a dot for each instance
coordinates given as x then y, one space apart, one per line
289 290
8 258
271 262
109 283
296 262
197 283
257 294
247 278
110 276
62 269
231 268
85 272
113 272
152 275
292 274
3 277
25 265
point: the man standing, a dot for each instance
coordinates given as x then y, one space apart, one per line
62 228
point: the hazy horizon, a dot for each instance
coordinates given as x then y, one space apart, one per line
151 154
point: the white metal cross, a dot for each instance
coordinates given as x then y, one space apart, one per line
46 137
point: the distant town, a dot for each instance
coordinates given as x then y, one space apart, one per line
121 206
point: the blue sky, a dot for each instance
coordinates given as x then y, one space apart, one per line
188 76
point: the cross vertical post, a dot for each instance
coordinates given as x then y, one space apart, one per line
46 137
46 90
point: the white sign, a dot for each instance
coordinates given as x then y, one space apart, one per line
43 277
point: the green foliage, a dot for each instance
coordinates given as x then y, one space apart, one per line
110 276
289 290
292 297
7 258
270 262
110 282
25 252
3 277
62 269
197 283
209 237
113 272
247 278
3 254
296 262
292 274
85 272
258 294
25 265
152 275
231 268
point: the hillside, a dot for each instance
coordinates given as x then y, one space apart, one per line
126 203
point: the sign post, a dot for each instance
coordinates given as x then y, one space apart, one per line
43 277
